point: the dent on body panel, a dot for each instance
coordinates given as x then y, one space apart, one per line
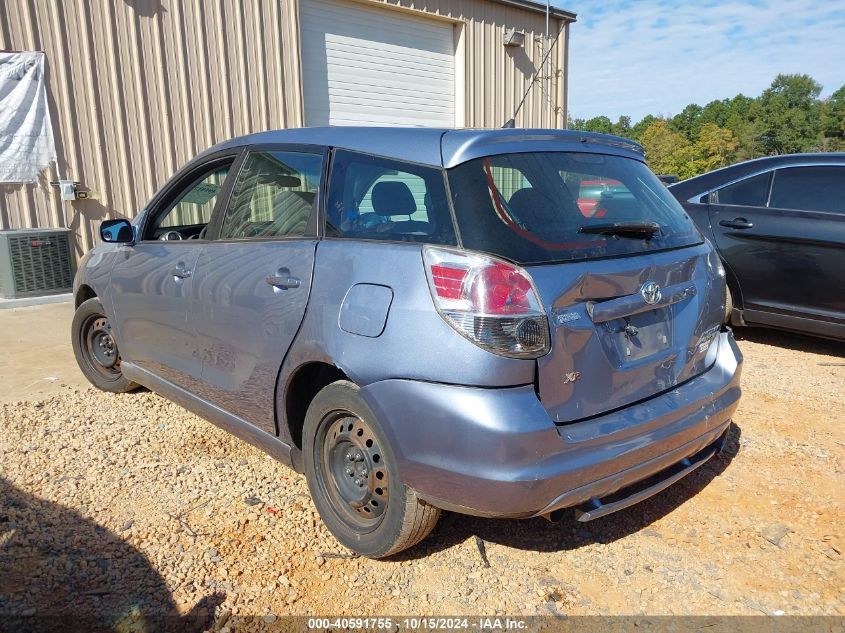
244 325
231 295
505 426
415 343
588 352
228 299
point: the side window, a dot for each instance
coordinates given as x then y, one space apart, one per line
810 189
191 210
751 192
273 196
399 183
383 199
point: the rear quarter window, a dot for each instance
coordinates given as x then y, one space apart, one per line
750 192
376 198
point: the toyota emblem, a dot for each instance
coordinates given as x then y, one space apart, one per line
651 292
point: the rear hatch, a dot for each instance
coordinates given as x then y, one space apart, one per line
633 294
610 346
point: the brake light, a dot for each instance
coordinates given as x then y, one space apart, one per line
501 289
448 281
491 302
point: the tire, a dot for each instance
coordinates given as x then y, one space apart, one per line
347 462
729 305
96 349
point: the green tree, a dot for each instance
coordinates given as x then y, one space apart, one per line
744 120
791 115
642 126
623 126
576 124
670 152
665 150
741 111
833 120
787 117
716 147
599 124
687 162
715 112
687 121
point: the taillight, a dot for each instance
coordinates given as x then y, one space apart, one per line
491 302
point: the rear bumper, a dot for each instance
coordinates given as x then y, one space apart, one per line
496 452
643 489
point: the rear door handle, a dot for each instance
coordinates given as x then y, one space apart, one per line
283 279
737 223
180 272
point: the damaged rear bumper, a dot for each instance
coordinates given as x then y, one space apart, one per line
496 452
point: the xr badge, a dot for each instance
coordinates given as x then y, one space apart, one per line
571 376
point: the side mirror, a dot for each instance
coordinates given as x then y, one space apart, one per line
117 231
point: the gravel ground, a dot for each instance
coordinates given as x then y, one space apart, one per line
117 504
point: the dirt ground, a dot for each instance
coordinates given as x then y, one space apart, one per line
37 358
129 504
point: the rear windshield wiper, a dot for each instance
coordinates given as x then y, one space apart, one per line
624 229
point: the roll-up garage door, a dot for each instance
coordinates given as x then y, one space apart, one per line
364 65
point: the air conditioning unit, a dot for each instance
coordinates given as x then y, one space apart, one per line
35 262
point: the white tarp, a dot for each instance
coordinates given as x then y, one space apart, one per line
26 135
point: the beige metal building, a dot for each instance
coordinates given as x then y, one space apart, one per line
138 87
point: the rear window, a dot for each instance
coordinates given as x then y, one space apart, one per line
540 207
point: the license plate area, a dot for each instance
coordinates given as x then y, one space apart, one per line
638 336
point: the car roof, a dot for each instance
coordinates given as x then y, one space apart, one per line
698 185
441 146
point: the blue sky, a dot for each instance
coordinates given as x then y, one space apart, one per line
641 57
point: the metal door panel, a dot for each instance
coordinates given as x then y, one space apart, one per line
249 300
151 306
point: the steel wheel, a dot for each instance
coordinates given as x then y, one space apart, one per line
354 477
353 472
99 348
95 348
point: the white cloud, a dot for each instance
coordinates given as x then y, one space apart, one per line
657 56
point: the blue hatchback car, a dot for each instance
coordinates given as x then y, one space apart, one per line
424 320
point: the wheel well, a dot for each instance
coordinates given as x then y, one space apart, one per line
302 387
83 294
736 291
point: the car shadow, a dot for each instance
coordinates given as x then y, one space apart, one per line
540 535
790 340
60 571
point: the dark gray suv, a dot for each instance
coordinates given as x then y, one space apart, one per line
424 319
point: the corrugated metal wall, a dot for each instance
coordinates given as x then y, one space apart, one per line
138 87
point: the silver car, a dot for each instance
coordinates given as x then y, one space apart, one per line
424 320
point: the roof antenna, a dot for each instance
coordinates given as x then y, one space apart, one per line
510 123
